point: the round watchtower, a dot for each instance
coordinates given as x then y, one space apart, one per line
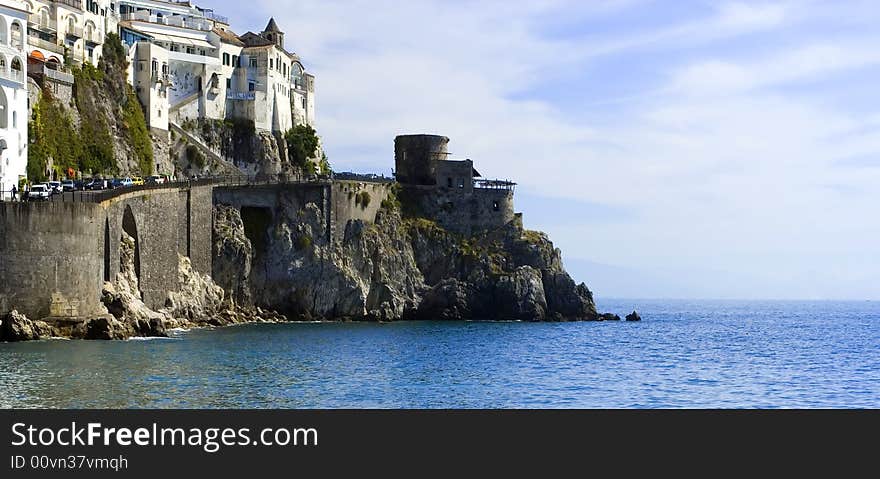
416 156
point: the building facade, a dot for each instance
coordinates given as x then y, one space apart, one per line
13 96
187 63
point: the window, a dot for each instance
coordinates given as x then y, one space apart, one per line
271 64
449 182
228 83
461 182
15 119
226 59
304 103
235 61
252 86
253 62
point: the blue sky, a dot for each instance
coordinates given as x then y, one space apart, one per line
689 149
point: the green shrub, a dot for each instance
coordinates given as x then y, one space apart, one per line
195 156
303 242
364 199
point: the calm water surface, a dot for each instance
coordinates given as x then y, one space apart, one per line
683 355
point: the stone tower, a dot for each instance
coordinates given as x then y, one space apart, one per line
274 34
416 157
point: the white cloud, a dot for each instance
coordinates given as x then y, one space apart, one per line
724 169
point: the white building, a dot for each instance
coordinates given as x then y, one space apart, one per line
13 95
188 64
74 29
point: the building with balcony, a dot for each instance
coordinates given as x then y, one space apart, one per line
13 95
69 30
188 64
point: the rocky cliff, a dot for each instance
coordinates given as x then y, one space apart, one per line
94 126
397 268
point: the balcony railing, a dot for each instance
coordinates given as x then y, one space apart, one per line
215 17
74 32
194 23
45 44
42 24
10 74
94 36
241 95
40 69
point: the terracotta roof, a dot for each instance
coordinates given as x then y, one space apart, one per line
227 36
251 39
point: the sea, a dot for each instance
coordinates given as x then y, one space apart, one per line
683 354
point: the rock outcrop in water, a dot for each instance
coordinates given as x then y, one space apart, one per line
198 302
397 268
17 327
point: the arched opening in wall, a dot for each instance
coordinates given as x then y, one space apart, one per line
4 31
16 35
4 110
16 69
129 226
107 249
256 227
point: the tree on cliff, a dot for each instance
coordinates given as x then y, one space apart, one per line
302 145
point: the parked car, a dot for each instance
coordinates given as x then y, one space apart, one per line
39 193
68 185
137 180
55 188
97 184
156 180
126 182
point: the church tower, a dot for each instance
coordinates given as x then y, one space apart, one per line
274 34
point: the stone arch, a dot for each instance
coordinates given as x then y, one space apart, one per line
129 226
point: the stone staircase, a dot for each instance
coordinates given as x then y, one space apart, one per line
228 167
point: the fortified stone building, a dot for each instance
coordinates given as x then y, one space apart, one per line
451 192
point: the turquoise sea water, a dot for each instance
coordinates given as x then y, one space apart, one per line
685 354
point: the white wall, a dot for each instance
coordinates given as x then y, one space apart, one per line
14 100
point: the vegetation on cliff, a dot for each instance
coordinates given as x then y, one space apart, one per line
302 146
83 136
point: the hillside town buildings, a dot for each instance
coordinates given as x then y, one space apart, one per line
186 62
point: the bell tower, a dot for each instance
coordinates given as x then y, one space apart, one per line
274 34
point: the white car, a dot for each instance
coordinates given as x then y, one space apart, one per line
39 193
55 188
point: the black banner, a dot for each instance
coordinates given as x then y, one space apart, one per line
229 443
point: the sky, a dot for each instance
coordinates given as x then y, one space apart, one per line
686 149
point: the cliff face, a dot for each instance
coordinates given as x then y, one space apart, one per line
397 268
233 147
94 126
